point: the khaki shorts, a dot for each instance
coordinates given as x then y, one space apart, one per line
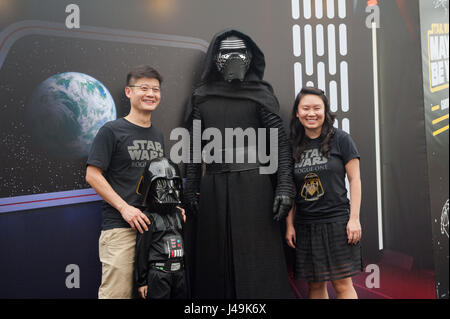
117 251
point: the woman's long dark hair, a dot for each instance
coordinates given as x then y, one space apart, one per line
297 135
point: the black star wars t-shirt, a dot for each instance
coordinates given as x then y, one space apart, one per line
122 149
320 182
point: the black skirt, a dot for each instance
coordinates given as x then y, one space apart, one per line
323 253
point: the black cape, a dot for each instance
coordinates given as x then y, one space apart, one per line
237 250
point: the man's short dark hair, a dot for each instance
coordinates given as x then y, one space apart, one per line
143 71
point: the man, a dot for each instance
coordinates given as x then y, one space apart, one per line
116 161
238 246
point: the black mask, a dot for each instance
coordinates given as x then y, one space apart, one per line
160 186
233 59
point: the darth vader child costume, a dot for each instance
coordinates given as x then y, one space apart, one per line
159 262
238 245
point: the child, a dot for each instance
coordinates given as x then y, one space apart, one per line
159 264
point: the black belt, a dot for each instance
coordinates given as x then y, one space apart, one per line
168 266
217 168
234 153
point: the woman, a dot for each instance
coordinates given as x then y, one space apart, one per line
325 230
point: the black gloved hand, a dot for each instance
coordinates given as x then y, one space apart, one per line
282 204
194 207
191 203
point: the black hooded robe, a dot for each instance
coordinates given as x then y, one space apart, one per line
238 250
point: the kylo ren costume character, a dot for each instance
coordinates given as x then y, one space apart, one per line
159 261
237 249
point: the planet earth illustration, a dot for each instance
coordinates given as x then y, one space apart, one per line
65 113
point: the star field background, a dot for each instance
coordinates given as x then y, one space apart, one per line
26 169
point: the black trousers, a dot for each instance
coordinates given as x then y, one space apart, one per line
166 285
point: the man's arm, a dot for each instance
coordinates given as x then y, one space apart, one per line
130 214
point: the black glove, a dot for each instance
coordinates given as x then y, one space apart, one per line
282 204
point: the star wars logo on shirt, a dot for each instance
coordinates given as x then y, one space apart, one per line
311 160
143 151
174 247
312 188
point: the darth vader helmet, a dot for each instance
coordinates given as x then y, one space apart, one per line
233 58
160 186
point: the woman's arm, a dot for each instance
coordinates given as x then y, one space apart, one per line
354 226
290 230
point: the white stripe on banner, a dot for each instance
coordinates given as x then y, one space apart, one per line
333 96
296 39
342 10
319 40
343 39
309 50
347 186
344 87
331 49
321 76
295 9
346 125
330 9
297 77
307 9
319 9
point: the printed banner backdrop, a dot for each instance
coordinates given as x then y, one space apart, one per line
50 218
434 33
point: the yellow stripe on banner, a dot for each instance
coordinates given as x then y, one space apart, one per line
440 119
445 128
436 107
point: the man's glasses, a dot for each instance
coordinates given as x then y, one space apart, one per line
145 88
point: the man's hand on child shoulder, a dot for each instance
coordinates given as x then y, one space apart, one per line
133 216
